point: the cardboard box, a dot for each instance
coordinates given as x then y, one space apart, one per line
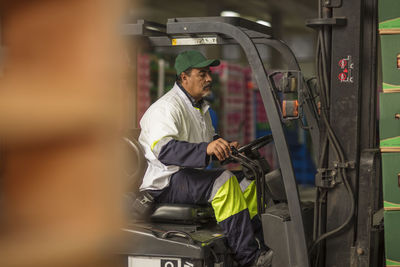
392 237
389 16
391 180
391 62
389 125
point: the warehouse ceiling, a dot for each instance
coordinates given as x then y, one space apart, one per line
292 13
289 14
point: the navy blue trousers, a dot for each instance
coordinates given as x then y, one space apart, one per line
193 186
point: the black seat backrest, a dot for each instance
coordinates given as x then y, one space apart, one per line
137 164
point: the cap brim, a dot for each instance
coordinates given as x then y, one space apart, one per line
207 63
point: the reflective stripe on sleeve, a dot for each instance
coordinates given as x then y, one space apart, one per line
158 144
154 144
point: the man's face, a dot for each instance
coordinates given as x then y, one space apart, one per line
198 83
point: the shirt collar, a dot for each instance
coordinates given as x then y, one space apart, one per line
196 104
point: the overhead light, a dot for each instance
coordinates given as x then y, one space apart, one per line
227 13
263 22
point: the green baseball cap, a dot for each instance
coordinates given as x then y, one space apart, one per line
192 59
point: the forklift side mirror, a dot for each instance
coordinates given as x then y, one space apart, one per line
288 84
287 93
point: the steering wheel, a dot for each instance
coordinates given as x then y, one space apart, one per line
256 144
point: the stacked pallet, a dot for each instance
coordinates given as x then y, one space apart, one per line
249 114
232 99
389 29
143 85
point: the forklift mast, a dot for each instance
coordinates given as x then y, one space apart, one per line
349 175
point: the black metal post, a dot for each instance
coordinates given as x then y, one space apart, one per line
345 92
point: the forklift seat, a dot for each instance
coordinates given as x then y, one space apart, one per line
163 212
182 213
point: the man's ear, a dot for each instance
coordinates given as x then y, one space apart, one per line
183 77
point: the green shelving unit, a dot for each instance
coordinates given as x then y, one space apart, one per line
389 128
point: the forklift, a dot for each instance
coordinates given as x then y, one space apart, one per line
344 225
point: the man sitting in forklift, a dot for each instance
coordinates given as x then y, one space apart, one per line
179 140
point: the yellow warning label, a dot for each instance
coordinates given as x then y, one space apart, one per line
173 41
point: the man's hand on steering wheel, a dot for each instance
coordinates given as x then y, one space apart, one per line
234 144
221 148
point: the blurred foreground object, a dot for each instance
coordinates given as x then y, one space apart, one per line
60 105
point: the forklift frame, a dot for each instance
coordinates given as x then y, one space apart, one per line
247 34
